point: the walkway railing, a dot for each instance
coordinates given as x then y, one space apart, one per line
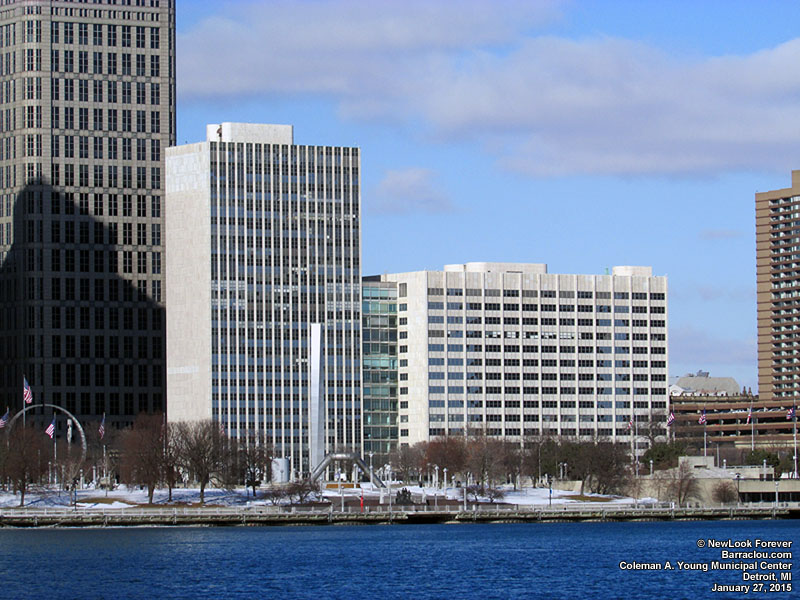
642 509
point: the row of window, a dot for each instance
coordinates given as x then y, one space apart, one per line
567 390
116 120
619 404
585 308
104 233
112 66
534 362
86 261
511 418
544 349
67 176
84 317
510 376
115 91
71 375
506 293
82 290
65 33
527 432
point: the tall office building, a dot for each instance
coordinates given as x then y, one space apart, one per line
778 292
264 289
513 351
87 107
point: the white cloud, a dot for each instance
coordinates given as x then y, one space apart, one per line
472 71
413 190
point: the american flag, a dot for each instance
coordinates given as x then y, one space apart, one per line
27 394
102 429
702 419
749 414
790 414
4 420
670 419
51 429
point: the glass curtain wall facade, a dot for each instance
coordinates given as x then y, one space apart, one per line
379 351
87 106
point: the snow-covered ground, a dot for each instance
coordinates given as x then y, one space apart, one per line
126 497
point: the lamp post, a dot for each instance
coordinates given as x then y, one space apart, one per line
550 487
436 476
370 468
776 493
738 479
445 480
651 467
389 476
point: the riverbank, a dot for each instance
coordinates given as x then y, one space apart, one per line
300 515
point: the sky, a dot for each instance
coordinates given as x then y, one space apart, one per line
581 134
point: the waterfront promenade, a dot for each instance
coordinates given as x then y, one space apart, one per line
302 515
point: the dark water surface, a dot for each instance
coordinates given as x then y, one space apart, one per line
547 560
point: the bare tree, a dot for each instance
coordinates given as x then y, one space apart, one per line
607 466
406 461
495 494
171 458
275 494
683 486
484 459
724 492
300 491
202 451
541 457
255 458
447 453
143 453
511 460
25 461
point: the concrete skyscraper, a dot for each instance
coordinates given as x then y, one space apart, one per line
263 285
87 107
512 351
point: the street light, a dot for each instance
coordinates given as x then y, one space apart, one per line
389 467
651 467
738 478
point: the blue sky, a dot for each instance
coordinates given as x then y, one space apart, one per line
579 134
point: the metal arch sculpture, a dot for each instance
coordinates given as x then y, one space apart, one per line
66 412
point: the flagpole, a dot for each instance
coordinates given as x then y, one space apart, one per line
704 421
55 451
794 434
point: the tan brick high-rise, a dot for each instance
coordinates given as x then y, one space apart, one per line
778 291
87 108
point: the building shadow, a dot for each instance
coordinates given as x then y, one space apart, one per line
80 315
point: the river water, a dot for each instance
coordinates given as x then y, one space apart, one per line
485 561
